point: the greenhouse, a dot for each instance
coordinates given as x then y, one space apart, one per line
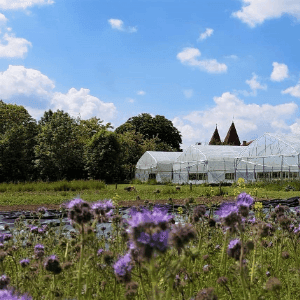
206 164
156 165
272 156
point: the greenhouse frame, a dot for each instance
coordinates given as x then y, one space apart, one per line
271 156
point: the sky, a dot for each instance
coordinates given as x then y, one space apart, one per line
198 63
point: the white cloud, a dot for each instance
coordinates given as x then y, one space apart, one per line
293 90
22 4
255 85
131 100
3 19
9 29
75 102
233 56
141 93
19 80
255 12
249 119
295 128
119 25
15 47
189 57
208 32
280 72
188 93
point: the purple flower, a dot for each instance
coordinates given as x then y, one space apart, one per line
52 264
227 209
24 262
122 266
234 249
11 295
233 243
244 199
4 281
73 202
100 251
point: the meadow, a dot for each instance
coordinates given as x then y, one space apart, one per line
239 252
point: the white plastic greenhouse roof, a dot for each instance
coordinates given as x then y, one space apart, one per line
291 140
164 156
213 152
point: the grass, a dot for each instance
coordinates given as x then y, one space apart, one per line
267 267
94 190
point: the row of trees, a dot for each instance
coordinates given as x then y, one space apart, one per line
60 147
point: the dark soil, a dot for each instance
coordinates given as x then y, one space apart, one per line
200 200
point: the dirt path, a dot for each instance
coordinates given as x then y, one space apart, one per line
200 200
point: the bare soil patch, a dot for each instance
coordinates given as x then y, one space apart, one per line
200 200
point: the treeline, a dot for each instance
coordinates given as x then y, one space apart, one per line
60 147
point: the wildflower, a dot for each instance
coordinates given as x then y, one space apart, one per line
206 294
2 255
99 252
39 250
123 267
268 273
24 262
265 229
42 210
181 235
199 212
273 284
52 264
229 213
284 222
234 249
279 210
102 210
244 201
4 281
11 294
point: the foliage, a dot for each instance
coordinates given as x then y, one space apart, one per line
102 156
150 128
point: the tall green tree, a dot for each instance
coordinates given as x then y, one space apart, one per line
169 138
59 153
18 131
102 156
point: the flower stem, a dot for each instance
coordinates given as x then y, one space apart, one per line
80 264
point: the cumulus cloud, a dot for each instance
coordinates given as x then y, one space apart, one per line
15 47
75 102
208 32
249 119
189 56
280 72
255 12
233 56
119 25
255 85
141 93
22 4
130 100
293 90
19 80
188 93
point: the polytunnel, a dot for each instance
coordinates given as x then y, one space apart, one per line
272 156
156 165
206 163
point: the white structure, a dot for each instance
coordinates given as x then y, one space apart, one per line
206 163
156 165
272 156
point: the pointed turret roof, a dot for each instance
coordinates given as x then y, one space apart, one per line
232 137
215 139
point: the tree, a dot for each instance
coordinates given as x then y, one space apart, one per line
168 136
102 154
59 153
18 131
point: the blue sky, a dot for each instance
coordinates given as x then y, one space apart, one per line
198 63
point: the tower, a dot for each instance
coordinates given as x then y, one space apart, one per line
215 139
232 137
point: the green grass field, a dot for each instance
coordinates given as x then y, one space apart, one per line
94 190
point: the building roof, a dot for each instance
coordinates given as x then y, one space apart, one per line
232 137
215 139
